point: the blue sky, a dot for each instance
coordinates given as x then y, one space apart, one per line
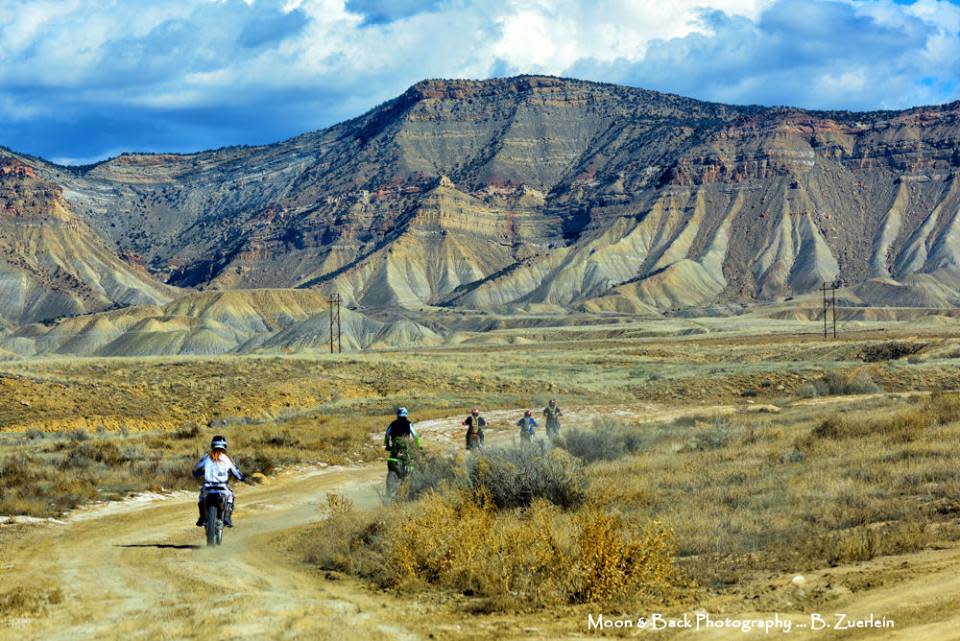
82 80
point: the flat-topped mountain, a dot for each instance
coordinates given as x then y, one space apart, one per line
527 193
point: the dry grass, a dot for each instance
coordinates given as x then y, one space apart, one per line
509 560
795 492
48 475
166 393
28 601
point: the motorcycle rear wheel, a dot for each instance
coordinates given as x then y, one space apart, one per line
214 533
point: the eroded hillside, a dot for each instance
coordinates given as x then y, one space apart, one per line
521 194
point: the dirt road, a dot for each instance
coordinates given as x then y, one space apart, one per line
137 571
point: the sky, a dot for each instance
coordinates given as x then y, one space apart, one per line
83 80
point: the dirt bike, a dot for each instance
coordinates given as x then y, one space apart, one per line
474 442
398 467
214 506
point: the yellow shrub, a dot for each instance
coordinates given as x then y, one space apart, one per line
517 559
615 561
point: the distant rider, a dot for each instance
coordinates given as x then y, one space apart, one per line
475 424
552 413
215 469
527 425
398 436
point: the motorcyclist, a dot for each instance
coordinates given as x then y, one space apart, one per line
475 424
399 433
527 425
552 413
215 469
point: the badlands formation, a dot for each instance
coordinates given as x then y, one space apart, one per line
465 206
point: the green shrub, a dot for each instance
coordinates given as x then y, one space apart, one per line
516 477
889 351
807 390
258 461
186 431
607 441
712 437
431 472
282 439
837 383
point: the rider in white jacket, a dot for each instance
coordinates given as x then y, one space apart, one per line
215 469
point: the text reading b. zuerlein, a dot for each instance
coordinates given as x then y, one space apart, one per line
706 621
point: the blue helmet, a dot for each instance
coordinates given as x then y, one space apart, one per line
219 443
402 412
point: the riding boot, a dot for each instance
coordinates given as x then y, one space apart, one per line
203 517
228 515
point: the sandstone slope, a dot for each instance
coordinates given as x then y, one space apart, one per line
527 194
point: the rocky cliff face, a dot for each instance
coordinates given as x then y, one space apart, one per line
522 193
51 263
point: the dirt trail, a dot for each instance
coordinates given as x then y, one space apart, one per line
138 571
919 593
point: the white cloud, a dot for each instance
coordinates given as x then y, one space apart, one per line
187 73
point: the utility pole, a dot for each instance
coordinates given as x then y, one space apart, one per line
823 289
335 318
833 304
340 334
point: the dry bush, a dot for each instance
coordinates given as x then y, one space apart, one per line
514 560
28 601
945 406
432 471
282 439
257 461
30 487
186 431
516 477
889 351
838 383
507 477
865 542
711 436
614 562
807 390
347 541
608 440
899 427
